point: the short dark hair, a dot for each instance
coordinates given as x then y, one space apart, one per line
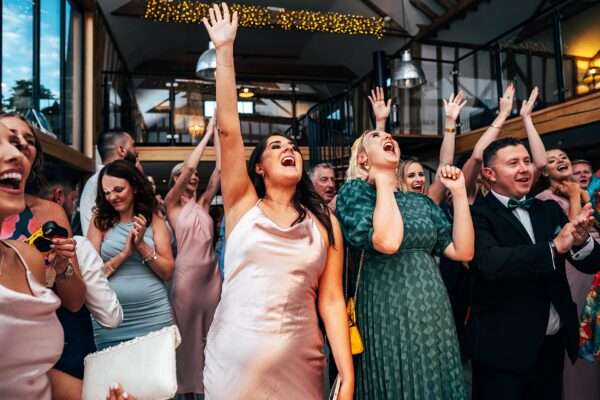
107 142
69 185
490 152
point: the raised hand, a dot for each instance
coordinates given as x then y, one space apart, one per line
452 178
527 106
222 26
381 108
506 101
63 252
454 104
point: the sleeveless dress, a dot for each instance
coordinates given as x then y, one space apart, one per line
31 339
142 294
265 342
195 292
403 312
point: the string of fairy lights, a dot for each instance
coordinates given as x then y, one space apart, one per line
253 16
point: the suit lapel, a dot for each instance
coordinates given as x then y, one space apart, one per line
499 209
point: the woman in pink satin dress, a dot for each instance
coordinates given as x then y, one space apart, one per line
283 260
196 281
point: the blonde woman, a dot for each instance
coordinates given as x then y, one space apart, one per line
411 349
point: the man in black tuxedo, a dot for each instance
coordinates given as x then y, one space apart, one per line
523 318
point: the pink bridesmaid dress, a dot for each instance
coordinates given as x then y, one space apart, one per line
31 339
265 341
195 292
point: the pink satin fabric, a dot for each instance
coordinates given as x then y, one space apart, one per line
195 292
265 341
31 339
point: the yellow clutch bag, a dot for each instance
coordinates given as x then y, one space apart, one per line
356 343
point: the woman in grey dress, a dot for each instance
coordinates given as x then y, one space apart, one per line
135 246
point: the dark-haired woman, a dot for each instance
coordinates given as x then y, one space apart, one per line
196 266
37 210
135 246
283 249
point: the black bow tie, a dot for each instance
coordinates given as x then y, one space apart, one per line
525 204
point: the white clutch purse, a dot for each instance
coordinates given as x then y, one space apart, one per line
144 367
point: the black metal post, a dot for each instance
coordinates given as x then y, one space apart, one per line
172 113
498 68
558 56
455 74
294 115
379 73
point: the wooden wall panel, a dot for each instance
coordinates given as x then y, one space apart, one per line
576 112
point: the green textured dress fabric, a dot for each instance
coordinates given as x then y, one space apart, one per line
404 316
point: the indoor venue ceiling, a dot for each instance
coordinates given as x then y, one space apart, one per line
328 61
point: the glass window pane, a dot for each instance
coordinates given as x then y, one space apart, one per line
17 55
50 60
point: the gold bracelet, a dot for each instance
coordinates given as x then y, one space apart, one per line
450 130
153 257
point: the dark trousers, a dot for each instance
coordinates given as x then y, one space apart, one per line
542 382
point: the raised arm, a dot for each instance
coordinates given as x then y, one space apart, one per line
190 166
215 178
452 108
238 193
473 165
463 236
536 146
388 226
381 108
332 309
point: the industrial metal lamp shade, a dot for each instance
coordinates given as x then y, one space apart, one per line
407 74
207 63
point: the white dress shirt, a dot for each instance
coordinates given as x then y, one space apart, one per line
525 219
100 299
87 202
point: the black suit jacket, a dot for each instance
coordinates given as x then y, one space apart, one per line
514 282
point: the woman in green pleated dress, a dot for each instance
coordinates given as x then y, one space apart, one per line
411 349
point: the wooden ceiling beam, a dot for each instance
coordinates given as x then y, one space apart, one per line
425 9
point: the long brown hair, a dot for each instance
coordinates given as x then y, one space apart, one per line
144 201
305 197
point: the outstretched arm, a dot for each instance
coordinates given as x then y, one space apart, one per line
452 107
536 146
215 178
238 193
332 309
381 108
473 165
190 166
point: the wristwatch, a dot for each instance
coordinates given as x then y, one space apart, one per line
67 273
